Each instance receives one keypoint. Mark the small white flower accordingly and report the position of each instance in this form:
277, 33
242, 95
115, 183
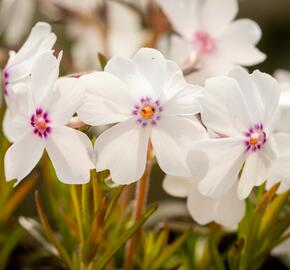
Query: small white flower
243, 110
210, 37
18, 67
41, 111
149, 97
16, 19
227, 210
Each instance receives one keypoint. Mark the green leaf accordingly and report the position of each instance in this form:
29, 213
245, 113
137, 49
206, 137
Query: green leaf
105, 258
170, 250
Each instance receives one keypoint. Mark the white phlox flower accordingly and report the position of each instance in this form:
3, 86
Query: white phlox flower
209, 38
227, 210
18, 67
149, 99
243, 109
41, 110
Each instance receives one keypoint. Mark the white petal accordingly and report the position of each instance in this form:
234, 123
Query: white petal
127, 72
238, 40
122, 149
44, 73
251, 95
270, 94
185, 102
255, 171
172, 138
39, 40
14, 126
182, 14
71, 154
23, 156
152, 66
225, 157
232, 105
177, 186
218, 14
21, 100
227, 210
280, 167
108, 99
68, 97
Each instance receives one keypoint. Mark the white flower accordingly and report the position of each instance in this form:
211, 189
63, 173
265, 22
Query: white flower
210, 37
227, 210
149, 97
18, 67
243, 110
15, 19
283, 77
41, 111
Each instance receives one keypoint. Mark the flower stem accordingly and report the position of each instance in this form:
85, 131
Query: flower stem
76, 205
141, 195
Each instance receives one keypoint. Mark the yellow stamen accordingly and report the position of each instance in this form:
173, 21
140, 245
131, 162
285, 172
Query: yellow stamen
147, 112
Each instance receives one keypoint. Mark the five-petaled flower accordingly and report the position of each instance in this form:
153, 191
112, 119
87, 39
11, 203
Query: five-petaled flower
150, 98
41, 109
243, 111
209, 38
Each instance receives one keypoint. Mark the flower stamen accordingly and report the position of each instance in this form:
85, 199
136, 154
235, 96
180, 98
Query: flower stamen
40, 123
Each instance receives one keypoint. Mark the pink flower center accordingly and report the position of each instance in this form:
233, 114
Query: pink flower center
40, 123
255, 138
204, 42
147, 111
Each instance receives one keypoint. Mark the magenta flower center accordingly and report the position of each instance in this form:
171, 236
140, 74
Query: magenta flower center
147, 111
255, 138
40, 123
5, 78
204, 42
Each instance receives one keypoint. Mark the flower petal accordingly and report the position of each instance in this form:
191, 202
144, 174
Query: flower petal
227, 210
23, 156
231, 106
127, 72
68, 97
108, 99
152, 66
44, 73
39, 40
70, 152
225, 157
270, 95
280, 167
122, 149
177, 186
185, 102
218, 14
182, 15
14, 126
256, 170
238, 40
172, 138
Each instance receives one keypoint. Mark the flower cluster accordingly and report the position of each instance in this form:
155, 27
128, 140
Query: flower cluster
214, 142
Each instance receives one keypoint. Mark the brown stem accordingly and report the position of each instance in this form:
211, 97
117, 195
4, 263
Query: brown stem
140, 203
